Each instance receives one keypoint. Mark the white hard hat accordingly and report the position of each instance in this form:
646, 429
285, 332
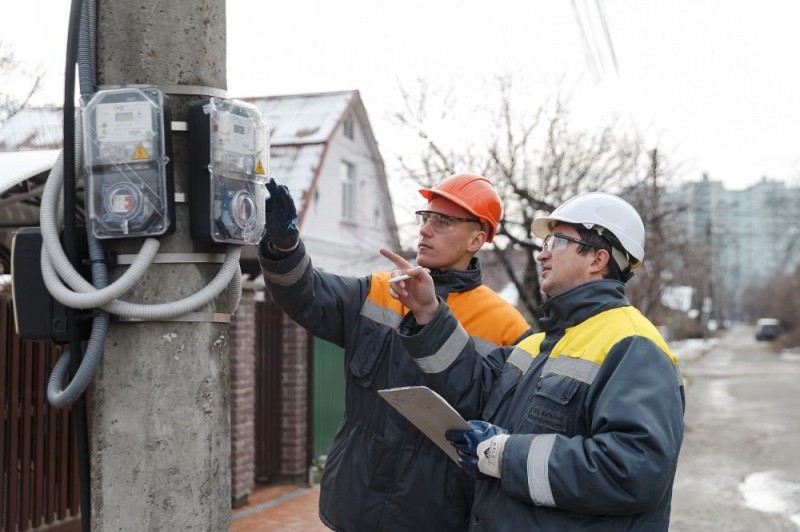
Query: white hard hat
602, 212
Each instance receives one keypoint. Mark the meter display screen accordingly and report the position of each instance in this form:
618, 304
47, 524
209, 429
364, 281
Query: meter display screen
125, 132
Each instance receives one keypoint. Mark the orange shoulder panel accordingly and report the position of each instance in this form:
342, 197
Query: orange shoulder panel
486, 315
379, 293
481, 311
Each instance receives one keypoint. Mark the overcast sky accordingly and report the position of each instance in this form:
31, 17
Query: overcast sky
715, 82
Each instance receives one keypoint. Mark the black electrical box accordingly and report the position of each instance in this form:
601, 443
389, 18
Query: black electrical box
37, 315
229, 164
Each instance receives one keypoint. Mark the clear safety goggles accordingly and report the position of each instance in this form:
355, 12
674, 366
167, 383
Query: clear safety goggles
558, 241
441, 223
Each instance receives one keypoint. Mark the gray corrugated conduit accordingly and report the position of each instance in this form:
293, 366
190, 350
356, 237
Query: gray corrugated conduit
56, 266
101, 296
83, 295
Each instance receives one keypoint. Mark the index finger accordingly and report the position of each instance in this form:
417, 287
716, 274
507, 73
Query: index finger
272, 186
400, 262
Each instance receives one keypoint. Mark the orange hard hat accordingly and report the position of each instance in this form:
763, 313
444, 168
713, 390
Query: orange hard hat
474, 193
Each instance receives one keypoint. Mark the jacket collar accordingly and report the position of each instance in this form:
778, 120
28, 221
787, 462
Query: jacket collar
448, 281
582, 302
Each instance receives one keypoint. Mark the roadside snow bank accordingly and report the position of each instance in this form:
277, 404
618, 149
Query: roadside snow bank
686, 350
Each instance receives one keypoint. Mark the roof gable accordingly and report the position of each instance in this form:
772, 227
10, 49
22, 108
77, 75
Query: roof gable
301, 127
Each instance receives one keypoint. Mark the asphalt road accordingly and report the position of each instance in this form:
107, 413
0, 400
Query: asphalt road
739, 468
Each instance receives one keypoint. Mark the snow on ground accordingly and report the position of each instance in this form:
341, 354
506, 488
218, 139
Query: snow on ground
686, 350
767, 492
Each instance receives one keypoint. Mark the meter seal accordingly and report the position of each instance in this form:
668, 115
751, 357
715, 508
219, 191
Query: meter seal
230, 163
127, 151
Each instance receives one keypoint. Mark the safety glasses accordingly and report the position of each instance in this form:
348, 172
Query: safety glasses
558, 241
441, 223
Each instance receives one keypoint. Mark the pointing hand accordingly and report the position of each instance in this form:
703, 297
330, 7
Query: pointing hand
417, 292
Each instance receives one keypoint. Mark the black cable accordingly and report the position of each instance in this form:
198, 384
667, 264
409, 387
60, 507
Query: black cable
71, 249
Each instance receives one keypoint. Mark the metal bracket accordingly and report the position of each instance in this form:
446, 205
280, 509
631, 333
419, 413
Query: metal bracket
175, 258
194, 90
205, 317
191, 90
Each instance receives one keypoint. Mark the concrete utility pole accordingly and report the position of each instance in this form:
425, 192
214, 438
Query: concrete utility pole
160, 422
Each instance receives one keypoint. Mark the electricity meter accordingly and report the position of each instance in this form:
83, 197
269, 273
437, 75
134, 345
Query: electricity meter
128, 163
229, 164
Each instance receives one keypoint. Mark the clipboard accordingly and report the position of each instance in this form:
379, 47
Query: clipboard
429, 412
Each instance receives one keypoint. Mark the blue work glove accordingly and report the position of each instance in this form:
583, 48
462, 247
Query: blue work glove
466, 443
282, 233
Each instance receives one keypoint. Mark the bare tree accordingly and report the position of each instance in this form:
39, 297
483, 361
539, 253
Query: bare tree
12, 75
670, 256
537, 160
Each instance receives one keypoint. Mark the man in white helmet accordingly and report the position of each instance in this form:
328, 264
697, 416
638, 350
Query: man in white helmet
582, 426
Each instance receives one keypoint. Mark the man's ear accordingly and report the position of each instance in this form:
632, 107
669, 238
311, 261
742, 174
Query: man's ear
477, 241
600, 262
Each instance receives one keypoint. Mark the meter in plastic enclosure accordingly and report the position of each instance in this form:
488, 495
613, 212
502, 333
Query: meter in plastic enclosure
230, 160
128, 168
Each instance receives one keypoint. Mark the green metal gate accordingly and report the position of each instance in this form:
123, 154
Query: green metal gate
328, 393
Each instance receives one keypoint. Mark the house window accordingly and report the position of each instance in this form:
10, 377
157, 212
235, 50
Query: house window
348, 172
349, 127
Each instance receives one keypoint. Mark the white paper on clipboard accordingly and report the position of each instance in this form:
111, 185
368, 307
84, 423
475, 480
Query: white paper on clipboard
429, 412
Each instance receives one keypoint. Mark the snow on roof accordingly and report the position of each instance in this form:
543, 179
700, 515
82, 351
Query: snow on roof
32, 129
17, 166
303, 118
295, 166
300, 125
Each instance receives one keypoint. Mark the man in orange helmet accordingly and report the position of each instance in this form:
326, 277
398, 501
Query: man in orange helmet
381, 472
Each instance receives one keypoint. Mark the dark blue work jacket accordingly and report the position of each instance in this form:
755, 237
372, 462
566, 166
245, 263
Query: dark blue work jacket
381, 472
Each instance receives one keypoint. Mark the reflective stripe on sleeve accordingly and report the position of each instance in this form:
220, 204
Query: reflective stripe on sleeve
520, 359
290, 277
484, 347
577, 368
380, 314
538, 477
441, 359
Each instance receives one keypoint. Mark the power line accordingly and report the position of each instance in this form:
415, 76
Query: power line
587, 50
594, 51
602, 15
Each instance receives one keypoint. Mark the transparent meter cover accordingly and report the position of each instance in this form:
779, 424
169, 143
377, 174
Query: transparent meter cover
239, 165
126, 160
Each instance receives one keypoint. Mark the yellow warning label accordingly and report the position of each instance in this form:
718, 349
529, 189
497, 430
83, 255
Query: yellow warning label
260, 168
140, 153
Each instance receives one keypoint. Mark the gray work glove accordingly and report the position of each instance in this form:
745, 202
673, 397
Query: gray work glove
281, 232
